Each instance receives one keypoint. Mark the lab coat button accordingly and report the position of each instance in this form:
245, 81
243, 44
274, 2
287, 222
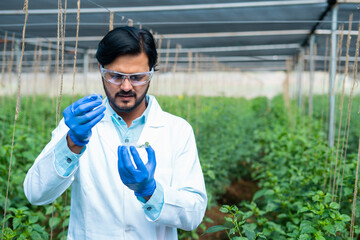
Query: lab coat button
148, 208
127, 140
129, 228
68, 160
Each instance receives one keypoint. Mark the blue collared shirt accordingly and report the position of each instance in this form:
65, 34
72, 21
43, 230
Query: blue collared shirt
66, 161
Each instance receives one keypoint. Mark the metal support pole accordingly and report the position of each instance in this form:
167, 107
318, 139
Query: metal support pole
300, 67
311, 67
332, 77
86, 70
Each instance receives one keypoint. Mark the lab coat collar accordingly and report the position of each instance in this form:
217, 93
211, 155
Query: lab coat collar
155, 117
107, 131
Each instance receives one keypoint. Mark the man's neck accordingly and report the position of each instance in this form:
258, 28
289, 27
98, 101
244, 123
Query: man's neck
129, 117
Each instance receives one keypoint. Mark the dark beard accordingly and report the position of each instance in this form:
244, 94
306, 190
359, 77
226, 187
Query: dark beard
116, 108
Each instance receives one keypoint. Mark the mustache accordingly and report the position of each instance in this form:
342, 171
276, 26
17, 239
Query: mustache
125, 94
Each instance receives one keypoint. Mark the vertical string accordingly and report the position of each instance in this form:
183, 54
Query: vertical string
130, 22
323, 83
347, 126
63, 29
48, 71
167, 56
25, 9
323, 108
197, 104
11, 61
175, 76
176, 57
36, 65
332, 165
190, 60
76, 46
57, 60
4, 61
341, 108
355, 196
111, 21
63, 24
57, 100
159, 43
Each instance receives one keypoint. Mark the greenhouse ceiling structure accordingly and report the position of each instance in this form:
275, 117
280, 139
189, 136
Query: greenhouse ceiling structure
243, 35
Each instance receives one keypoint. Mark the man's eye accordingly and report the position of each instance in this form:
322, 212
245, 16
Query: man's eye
137, 77
114, 75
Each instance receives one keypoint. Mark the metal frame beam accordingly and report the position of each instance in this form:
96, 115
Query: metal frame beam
348, 1
168, 8
330, 32
227, 49
190, 35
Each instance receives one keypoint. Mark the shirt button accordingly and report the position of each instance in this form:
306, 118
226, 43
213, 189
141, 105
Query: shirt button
148, 208
68, 160
127, 140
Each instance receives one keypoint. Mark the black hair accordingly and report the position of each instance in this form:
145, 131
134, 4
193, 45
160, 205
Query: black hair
126, 41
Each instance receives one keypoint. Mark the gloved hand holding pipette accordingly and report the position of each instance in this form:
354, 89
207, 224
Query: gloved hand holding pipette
81, 116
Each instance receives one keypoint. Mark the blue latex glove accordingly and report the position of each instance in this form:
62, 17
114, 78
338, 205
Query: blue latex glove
140, 179
81, 116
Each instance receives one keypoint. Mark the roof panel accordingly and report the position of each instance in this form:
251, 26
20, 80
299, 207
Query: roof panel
267, 24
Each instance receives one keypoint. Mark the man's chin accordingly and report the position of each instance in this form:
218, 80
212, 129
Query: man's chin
125, 108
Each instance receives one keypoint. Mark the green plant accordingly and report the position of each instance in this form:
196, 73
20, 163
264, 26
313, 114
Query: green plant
23, 224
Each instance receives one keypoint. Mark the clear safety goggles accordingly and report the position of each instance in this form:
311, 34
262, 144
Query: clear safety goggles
136, 79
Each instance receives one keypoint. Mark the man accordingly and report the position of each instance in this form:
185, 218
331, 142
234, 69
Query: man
119, 190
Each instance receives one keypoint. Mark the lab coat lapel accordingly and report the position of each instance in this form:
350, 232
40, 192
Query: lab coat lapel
155, 120
108, 133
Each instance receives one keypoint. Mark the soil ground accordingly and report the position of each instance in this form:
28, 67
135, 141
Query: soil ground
241, 190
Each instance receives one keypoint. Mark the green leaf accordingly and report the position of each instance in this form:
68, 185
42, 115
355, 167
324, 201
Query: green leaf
305, 237
16, 222
345, 217
38, 228
224, 209
334, 205
303, 209
259, 194
54, 222
319, 236
228, 219
35, 235
33, 219
216, 228
330, 229
211, 174
250, 234
49, 210
247, 215
8, 233
308, 229
22, 237
340, 226
270, 207
269, 192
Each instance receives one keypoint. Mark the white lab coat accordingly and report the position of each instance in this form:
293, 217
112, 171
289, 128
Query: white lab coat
102, 207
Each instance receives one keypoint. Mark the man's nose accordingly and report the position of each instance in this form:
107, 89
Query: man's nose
126, 85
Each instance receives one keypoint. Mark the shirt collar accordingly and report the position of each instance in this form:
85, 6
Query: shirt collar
141, 120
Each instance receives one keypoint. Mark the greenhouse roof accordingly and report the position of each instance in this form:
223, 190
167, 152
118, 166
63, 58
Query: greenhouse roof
246, 35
